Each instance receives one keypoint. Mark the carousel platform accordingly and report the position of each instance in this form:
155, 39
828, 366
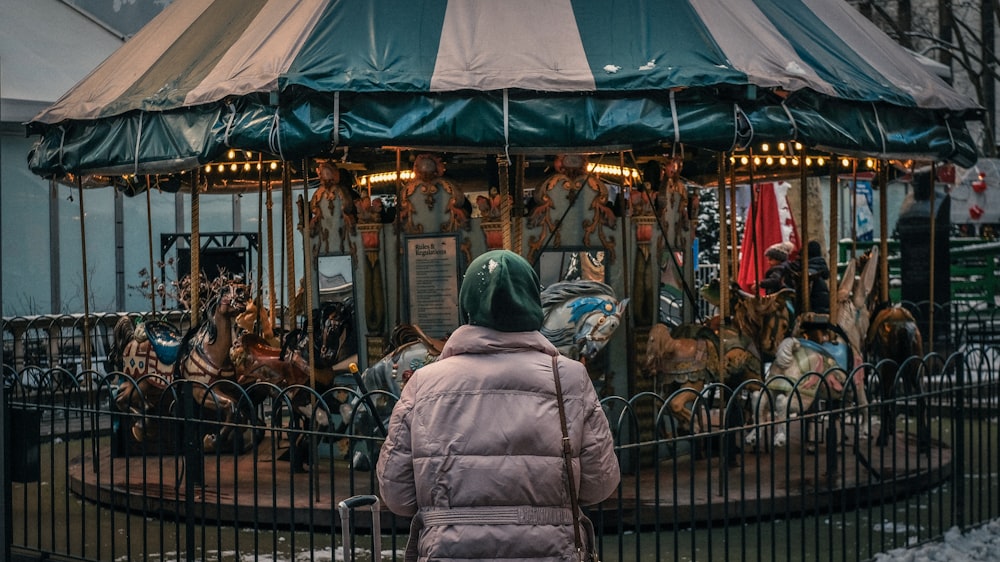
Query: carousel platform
259, 488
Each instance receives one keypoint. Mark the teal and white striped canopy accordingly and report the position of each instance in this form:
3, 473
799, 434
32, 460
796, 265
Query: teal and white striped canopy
296, 77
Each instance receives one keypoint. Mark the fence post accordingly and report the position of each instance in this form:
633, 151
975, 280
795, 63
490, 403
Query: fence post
194, 469
6, 489
958, 475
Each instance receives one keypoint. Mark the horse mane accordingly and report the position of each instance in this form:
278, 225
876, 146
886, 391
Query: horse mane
784, 356
562, 291
122, 334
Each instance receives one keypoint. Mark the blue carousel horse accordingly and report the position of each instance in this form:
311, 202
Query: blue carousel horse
579, 319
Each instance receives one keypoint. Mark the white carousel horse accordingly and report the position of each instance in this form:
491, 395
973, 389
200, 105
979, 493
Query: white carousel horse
827, 357
802, 371
887, 335
579, 319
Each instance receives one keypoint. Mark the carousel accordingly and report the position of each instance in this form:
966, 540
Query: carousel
401, 148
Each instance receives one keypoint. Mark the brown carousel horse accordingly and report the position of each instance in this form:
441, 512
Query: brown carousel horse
765, 319
154, 356
334, 346
689, 359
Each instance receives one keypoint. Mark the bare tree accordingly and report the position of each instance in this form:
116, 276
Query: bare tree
958, 33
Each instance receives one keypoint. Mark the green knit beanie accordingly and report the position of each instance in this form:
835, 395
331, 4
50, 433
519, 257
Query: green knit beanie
501, 291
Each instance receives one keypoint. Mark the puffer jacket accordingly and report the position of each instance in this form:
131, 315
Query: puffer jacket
474, 453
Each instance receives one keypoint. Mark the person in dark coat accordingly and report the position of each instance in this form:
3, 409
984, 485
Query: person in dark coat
819, 273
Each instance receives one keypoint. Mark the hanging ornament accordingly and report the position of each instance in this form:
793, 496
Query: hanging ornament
979, 185
976, 212
946, 173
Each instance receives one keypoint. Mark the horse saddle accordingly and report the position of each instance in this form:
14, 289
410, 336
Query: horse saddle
258, 348
838, 351
165, 340
434, 345
691, 368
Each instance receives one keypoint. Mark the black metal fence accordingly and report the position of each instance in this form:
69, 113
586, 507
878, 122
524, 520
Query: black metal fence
185, 479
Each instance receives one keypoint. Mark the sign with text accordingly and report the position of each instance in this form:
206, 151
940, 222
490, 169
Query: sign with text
432, 275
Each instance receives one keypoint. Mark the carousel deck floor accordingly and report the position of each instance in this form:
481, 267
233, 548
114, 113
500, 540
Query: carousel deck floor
259, 489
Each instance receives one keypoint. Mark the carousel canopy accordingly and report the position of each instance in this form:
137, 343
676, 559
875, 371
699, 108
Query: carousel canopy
295, 78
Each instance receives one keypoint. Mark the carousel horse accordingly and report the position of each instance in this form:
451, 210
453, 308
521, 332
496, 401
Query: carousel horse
767, 319
886, 333
689, 358
893, 337
155, 355
854, 297
334, 349
817, 361
334, 344
579, 319
802, 371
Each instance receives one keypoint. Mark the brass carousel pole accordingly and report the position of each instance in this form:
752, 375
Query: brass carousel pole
854, 209
883, 218
754, 211
286, 203
626, 185
734, 240
91, 399
503, 170
307, 267
86, 284
724, 262
834, 250
517, 237
804, 281
272, 298
149, 238
399, 235
195, 250
260, 236
930, 307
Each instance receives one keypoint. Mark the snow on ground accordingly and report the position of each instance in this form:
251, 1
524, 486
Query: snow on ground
979, 544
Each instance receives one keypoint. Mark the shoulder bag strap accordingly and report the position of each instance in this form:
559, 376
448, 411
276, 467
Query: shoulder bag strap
567, 449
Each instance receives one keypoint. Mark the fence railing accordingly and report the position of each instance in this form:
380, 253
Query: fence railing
179, 478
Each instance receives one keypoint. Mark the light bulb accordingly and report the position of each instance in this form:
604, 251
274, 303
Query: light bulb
821, 161
769, 160
221, 167
744, 160
232, 154
765, 147
845, 162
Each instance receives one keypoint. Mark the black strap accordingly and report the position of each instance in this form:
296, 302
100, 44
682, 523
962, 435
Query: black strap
567, 449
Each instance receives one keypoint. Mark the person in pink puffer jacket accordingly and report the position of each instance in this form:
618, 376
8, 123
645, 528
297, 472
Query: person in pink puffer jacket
474, 445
